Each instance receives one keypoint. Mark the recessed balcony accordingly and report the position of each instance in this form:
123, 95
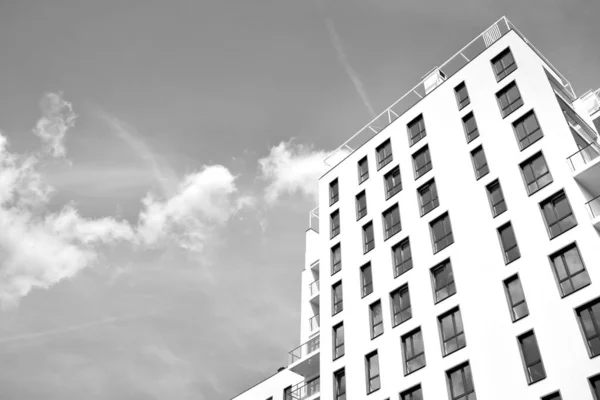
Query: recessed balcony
304, 359
310, 390
314, 323
585, 165
593, 207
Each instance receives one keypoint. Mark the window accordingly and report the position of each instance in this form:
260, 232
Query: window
532, 360
393, 183
415, 393
391, 221
460, 383
589, 322
372, 367
401, 257
441, 232
366, 279
509, 99
569, 270
535, 173
361, 205
509, 244
414, 351
368, 238
334, 192
552, 396
479, 162
339, 387
470, 127
338, 340
504, 64
595, 385
336, 258
528, 130
451, 331
401, 310
428, 198
287, 393
422, 162
376, 319
338, 302
462, 96
416, 130
516, 298
363, 170
557, 214
496, 198
443, 281
335, 223
384, 154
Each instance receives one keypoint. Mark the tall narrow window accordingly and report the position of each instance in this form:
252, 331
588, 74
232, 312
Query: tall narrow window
368, 238
338, 340
441, 232
361, 205
401, 310
508, 241
334, 192
451, 331
479, 162
532, 360
504, 63
376, 318
339, 387
509, 99
366, 279
402, 257
516, 298
393, 183
569, 270
372, 367
287, 393
428, 198
416, 130
552, 396
535, 173
443, 281
557, 214
496, 198
422, 162
363, 170
414, 351
595, 385
336, 258
470, 127
384, 154
335, 223
414, 393
337, 298
528, 130
462, 96
460, 383
589, 321
391, 221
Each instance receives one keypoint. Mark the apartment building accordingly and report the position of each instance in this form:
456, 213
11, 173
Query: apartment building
454, 253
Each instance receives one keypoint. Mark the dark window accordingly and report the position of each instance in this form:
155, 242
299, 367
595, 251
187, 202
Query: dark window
504, 64
508, 241
528, 130
384, 154
558, 214
595, 385
479, 162
443, 281
393, 183
470, 126
337, 298
402, 257
516, 298
361, 205
421, 162
569, 270
552, 396
401, 310
535, 173
462, 96
414, 393
335, 223
287, 393
366, 279
338, 340
509, 99
391, 221
414, 351
270, 398
451, 331
334, 192
368, 238
441, 232
336, 258
416, 130
589, 321
496, 198
372, 367
339, 389
376, 317
428, 198
363, 170
532, 360
460, 383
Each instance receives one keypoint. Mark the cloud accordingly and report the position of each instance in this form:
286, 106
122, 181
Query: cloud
58, 118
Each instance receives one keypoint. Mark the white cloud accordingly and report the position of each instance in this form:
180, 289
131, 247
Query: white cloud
58, 118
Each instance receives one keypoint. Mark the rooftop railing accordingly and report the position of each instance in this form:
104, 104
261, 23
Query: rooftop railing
314, 288
303, 391
584, 156
593, 207
304, 349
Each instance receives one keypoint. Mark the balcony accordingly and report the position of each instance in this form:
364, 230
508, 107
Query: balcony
313, 323
304, 359
593, 207
314, 290
307, 391
585, 165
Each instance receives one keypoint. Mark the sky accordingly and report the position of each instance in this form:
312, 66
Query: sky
158, 161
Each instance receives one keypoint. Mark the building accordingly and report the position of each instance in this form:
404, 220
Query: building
457, 241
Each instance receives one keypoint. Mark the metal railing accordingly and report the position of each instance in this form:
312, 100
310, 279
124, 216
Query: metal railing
314, 288
593, 207
584, 156
592, 100
314, 322
304, 349
303, 391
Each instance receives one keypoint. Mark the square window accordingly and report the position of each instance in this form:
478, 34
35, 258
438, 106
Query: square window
335, 223
337, 298
334, 192
372, 367
339, 387
422, 162
527, 129
470, 127
376, 318
402, 257
414, 351
443, 281
516, 298
460, 383
532, 359
428, 198
462, 96
361, 205
588, 316
415, 393
368, 238
509, 99
401, 310
535, 173
366, 279
451, 331
479, 162
441, 232
508, 241
416, 130
496, 198
391, 221
557, 214
503, 64
336, 258
384, 154
393, 183
338, 340
569, 270
363, 170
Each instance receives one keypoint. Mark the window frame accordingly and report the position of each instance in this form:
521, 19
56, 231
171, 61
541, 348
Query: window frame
335, 345
363, 176
364, 286
372, 323
402, 306
552, 396
337, 384
528, 162
551, 200
394, 229
421, 134
387, 159
435, 201
511, 108
592, 381
334, 198
366, 243
335, 231
511, 304
405, 359
459, 102
287, 395
333, 264
456, 335
464, 119
397, 188
337, 307
404, 395
526, 365
559, 281
460, 367
521, 120
504, 251
434, 242
370, 379
595, 323
361, 212
485, 167
395, 265
493, 205
499, 57
450, 286
428, 166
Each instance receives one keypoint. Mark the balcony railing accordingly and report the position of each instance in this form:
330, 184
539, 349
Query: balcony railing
304, 349
594, 207
314, 288
592, 100
584, 156
303, 391
314, 322
313, 219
